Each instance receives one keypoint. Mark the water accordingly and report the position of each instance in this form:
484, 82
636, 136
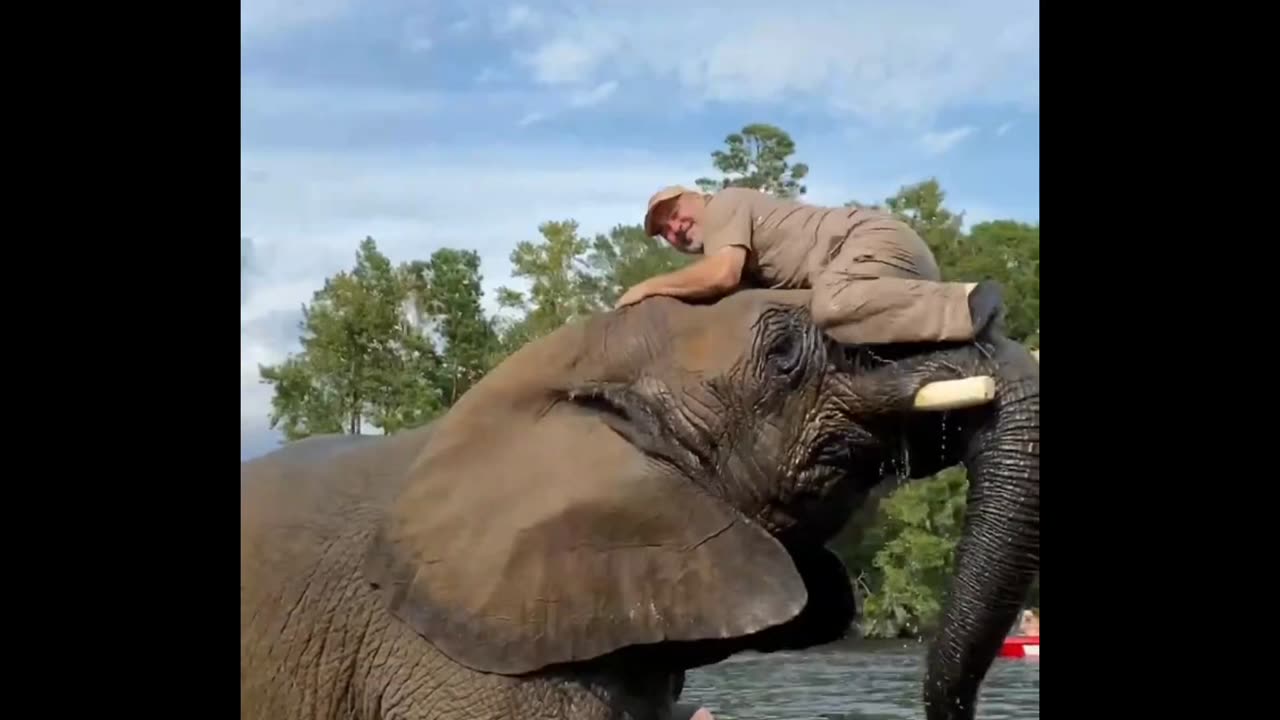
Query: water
858, 680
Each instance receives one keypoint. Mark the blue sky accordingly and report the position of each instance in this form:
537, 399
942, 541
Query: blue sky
465, 124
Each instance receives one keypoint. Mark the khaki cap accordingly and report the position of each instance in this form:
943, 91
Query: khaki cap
666, 193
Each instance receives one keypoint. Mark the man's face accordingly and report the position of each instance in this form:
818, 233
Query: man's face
679, 226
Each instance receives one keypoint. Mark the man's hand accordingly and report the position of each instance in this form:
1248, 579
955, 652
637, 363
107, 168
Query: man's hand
637, 293
711, 277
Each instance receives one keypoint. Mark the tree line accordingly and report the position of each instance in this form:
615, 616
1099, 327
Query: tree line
391, 346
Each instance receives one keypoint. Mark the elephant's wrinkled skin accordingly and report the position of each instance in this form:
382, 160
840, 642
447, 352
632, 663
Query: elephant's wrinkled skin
637, 494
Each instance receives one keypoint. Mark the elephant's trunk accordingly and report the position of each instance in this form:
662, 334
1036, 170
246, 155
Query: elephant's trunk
998, 554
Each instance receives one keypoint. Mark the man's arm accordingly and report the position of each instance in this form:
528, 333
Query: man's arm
712, 276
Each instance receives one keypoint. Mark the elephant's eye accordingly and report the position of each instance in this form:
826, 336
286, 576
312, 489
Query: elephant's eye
786, 352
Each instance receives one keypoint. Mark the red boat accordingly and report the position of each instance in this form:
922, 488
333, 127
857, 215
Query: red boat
1021, 646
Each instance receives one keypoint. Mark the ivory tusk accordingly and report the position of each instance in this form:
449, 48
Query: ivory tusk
952, 394
963, 393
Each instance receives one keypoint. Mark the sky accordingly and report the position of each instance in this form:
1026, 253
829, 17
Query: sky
430, 124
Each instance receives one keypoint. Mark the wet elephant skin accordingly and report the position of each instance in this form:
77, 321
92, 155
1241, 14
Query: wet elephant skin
639, 493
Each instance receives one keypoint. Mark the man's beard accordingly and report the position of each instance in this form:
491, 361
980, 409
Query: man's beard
690, 243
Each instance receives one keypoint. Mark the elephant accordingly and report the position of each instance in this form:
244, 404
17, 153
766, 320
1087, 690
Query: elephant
642, 492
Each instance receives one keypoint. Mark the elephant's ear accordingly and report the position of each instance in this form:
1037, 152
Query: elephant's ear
515, 548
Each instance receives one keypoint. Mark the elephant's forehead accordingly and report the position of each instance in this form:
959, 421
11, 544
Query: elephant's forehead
745, 307
710, 345
713, 337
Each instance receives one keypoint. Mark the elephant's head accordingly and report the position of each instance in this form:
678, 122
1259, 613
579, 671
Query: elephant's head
657, 483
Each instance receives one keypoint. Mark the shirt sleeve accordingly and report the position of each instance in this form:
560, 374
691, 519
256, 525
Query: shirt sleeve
731, 231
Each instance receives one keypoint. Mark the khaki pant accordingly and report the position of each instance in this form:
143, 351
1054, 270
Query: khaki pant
882, 285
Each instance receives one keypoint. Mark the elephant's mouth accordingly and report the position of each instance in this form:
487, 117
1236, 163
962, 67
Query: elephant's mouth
841, 450
834, 461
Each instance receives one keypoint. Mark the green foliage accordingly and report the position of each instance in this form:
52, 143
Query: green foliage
627, 256
1009, 252
304, 403
902, 554
756, 158
366, 361
448, 292
916, 532
570, 277
362, 360
561, 288
921, 206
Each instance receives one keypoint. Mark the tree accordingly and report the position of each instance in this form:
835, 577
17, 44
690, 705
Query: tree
1008, 252
624, 257
448, 292
917, 531
561, 286
363, 361
301, 406
756, 158
922, 207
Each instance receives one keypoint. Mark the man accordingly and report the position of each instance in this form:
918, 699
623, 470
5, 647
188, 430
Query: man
874, 279
1030, 623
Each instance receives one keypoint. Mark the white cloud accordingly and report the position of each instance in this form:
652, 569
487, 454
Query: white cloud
898, 62
419, 44
255, 396
516, 18
531, 118
1004, 128
595, 95
416, 33
939, 142
565, 61
248, 268
260, 18
263, 98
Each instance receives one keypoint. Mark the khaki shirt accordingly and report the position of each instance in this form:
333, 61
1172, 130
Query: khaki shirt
790, 242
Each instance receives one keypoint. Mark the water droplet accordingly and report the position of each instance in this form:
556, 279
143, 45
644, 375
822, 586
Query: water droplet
943, 434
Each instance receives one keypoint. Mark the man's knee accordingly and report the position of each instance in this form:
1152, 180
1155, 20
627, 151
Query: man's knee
834, 303
820, 312
816, 310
